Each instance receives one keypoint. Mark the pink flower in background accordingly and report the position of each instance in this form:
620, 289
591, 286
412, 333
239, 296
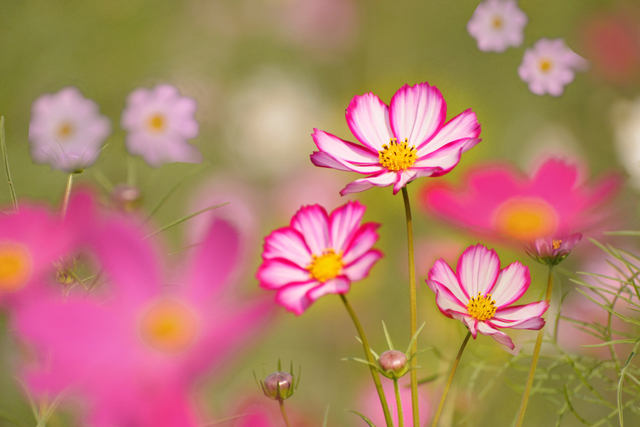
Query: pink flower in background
66, 130
370, 403
480, 295
402, 142
500, 201
159, 122
134, 359
497, 25
318, 254
549, 66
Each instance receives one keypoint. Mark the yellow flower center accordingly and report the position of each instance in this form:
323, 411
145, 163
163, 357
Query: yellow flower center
15, 266
326, 266
525, 218
497, 22
556, 243
482, 308
168, 326
65, 130
157, 123
545, 65
397, 157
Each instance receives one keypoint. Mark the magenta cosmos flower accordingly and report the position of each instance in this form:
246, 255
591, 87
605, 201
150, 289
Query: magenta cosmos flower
66, 130
159, 122
497, 25
549, 66
499, 200
479, 294
318, 254
133, 351
407, 140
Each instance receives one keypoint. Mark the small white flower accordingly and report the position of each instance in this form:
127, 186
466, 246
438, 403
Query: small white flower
66, 130
497, 25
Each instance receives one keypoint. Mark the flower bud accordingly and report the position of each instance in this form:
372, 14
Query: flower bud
278, 386
126, 196
552, 250
393, 362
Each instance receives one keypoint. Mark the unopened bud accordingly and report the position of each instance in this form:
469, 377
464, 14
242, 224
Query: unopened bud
393, 361
126, 196
278, 386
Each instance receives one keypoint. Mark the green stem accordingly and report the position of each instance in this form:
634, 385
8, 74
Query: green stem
5, 157
534, 359
372, 362
412, 309
284, 413
398, 403
450, 379
67, 193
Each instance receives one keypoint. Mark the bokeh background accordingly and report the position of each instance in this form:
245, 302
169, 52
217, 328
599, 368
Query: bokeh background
264, 74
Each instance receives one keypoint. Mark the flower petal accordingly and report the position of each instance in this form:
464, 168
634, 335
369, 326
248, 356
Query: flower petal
442, 273
362, 241
463, 126
485, 329
447, 303
348, 154
344, 223
276, 273
385, 179
324, 160
294, 297
417, 113
339, 285
368, 119
478, 269
289, 244
402, 178
512, 283
359, 269
313, 222
511, 317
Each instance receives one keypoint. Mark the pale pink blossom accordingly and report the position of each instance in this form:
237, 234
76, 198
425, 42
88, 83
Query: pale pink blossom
159, 122
407, 140
66, 130
552, 250
318, 254
480, 295
549, 66
497, 25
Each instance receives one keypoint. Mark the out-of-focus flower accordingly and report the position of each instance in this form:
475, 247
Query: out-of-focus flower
402, 142
552, 250
126, 197
134, 359
159, 122
318, 254
480, 295
497, 25
549, 66
66, 130
503, 202
369, 403
625, 116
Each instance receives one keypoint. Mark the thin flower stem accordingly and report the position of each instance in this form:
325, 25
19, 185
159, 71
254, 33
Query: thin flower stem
367, 352
412, 309
399, 403
534, 359
284, 413
5, 157
67, 193
450, 379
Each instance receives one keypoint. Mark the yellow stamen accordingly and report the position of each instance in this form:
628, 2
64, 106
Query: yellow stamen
525, 219
168, 326
397, 157
157, 123
545, 65
15, 266
556, 243
497, 22
482, 308
65, 130
326, 266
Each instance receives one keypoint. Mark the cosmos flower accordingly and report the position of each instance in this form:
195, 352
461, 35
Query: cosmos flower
552, 250
159, 122
549, 66
134, 356
66, 130
497, 25
502, 202
318, 254
407, 140
480, 295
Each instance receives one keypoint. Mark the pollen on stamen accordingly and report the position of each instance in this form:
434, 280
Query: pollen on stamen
326, 266
556, 243
482, 308
397, 156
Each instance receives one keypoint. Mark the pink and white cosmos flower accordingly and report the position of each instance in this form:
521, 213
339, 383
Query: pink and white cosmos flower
318, 254
480, 294
497, 25
66, 130
549, 66
407, 140
159, 122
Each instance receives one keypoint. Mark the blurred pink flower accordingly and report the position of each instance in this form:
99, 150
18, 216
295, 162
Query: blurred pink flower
504, 202
66, 130
497, 25
370, 403
159, 122
402, 142
549, 66
135, 357
479, 294
318, 254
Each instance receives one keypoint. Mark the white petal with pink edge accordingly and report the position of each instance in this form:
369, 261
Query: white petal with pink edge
339, 285
478, 269
520, 312
417, 113
348, 154
289, 244
385, 179
368, 119
512, 283
344, 223
501, 337
442, 273
447, 302
362, 241
294, 297
534, 323
402, 178
324, 160
464, 126
313, 222
359, 269
275, 273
